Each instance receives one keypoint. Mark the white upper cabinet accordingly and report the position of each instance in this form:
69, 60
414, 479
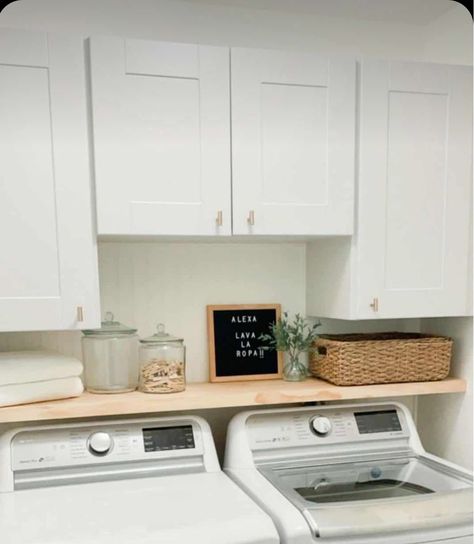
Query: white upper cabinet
161, 137
293, 139
411, 254
415, 172
48, 259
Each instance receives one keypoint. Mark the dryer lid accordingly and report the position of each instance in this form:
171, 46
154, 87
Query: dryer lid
203, 508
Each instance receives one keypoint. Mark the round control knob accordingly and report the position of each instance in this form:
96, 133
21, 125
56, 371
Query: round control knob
320, 425
100, 443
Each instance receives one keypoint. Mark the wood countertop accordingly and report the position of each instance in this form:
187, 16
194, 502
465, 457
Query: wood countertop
219, 395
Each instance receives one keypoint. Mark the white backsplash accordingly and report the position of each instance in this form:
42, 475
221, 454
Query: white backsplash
147, 283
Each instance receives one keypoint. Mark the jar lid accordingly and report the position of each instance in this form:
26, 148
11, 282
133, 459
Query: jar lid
160, 337
109, 326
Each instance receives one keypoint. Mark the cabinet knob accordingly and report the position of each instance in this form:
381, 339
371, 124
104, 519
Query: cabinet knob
251, 218
375, 304
219, 218
80, 313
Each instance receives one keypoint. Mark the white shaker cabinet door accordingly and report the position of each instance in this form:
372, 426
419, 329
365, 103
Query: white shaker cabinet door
48, 257
293, 139
161, 137
413, 246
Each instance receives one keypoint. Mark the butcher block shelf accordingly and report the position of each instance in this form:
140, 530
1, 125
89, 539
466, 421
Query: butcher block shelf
219, 395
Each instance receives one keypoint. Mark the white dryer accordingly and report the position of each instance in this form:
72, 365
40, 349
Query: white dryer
352, 474
154, 481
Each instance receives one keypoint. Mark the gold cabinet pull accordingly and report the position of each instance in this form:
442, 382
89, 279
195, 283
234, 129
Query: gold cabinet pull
251, 218
219, 218
375, 304
80, 314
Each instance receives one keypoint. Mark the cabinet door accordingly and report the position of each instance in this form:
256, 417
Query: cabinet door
414, 189
293, 137
48, 260
161, 137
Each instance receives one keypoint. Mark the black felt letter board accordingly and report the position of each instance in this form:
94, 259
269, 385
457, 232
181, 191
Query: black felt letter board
235, 350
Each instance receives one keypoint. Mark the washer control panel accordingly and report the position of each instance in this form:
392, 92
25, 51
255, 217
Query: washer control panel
326, 425
105, 443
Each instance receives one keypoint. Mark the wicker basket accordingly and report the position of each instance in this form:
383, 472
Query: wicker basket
390, 357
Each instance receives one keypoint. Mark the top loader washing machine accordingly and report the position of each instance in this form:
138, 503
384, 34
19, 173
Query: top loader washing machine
348, 474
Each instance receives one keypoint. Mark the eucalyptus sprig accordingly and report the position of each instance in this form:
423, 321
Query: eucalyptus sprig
293, 337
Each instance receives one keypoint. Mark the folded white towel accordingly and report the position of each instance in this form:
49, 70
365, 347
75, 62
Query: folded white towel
35, 366
25, 393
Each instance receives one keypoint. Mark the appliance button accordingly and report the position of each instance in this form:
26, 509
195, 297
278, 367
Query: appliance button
320, 425
99, 443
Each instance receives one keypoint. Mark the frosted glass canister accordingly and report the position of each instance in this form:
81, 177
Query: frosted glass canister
110, 357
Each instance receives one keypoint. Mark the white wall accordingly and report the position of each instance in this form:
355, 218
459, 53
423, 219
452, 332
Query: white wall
445, 421
147, 283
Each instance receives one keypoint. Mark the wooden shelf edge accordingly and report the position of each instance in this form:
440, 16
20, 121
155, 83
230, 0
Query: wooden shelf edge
200, 396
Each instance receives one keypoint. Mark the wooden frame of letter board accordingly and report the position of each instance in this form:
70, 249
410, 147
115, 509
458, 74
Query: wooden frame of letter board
212, 354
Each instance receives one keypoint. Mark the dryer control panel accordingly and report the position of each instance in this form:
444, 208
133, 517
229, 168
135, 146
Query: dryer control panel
108, 442
325, 425
95, 451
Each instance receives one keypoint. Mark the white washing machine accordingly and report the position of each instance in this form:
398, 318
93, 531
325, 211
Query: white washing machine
154, 481
352, 474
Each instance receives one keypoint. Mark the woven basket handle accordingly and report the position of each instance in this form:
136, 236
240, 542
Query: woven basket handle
320, 349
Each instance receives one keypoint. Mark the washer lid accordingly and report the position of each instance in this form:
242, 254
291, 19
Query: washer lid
376, 496
441, 510
203, 508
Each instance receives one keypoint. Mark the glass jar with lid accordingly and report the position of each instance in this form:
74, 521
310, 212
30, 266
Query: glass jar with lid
162, 363
110, 357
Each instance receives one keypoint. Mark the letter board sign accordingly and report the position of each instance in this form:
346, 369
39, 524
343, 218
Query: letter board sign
235, 351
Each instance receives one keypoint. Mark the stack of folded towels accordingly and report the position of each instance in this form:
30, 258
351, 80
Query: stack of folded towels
33, 376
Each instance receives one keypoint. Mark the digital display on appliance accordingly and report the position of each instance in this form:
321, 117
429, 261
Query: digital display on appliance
168, 438
377, 422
